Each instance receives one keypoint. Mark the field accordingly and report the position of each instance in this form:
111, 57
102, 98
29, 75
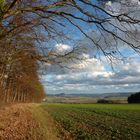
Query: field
70, 100
70, 122
96, 121
82, 100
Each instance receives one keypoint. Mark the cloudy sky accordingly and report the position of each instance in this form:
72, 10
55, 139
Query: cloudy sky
94, 75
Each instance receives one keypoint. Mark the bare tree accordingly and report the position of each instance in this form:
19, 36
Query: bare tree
53, 16
26, 24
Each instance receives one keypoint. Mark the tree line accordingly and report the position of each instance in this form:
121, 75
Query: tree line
19, 81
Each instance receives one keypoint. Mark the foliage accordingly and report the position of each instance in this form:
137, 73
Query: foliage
104, 101
134, 98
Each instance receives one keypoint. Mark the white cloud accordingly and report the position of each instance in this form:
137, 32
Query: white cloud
131, 7
113, 7
62, 48
109, 3
136, 1
89, 65
93, 77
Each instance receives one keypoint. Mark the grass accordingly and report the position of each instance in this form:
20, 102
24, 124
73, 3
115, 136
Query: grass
97, 121
47, 128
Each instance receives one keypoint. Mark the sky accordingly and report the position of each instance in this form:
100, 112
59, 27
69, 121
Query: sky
94, 75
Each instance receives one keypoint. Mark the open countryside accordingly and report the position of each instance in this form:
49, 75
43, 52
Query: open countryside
97, 121
69, 69
70, 121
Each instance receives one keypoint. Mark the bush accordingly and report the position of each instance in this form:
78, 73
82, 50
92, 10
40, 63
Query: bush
134, 98
104, 101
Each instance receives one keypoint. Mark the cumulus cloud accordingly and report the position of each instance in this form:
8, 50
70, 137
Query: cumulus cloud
93, 76
113, 7
62, 49
123, 6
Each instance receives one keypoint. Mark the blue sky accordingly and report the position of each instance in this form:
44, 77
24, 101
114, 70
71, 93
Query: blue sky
92, 75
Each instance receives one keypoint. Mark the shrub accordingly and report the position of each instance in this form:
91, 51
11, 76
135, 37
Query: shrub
104, 101
134, 98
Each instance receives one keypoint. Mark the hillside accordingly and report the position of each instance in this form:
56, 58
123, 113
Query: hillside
87, 98
103, 95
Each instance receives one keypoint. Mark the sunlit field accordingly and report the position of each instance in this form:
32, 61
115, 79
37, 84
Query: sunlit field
96, 121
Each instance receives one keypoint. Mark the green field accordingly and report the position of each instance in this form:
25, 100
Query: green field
96, 121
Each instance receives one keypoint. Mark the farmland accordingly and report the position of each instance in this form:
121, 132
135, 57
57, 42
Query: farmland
96, 121
70, 122
82, 100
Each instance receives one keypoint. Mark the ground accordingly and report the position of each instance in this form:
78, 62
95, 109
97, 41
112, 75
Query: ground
25, 122
70, 121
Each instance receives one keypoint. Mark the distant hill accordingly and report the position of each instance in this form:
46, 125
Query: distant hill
104, 95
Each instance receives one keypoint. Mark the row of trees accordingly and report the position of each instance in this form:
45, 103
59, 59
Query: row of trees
26, 24
19, 80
